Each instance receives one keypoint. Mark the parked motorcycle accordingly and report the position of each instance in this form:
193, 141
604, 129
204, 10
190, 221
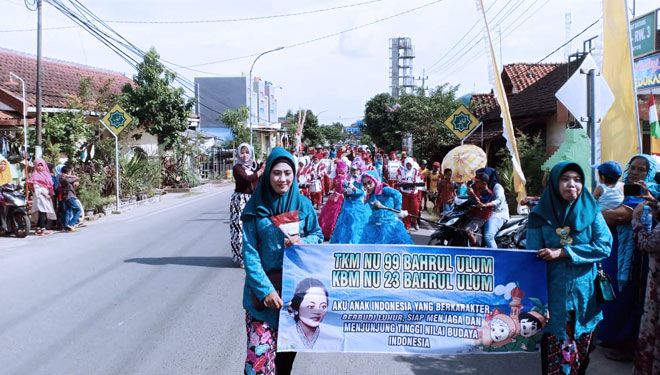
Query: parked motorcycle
14, 215
451, 232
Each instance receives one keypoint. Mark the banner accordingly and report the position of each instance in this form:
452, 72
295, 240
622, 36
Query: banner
508, 133
620, 133
411, 299
647, 72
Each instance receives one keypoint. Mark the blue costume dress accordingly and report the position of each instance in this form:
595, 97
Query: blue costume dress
352, 217
384, 227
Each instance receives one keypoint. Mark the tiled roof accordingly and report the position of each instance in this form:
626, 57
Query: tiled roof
536, 101
8, 115
60, 79
483, 103
518, 77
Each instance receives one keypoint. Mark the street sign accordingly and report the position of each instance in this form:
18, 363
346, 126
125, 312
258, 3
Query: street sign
642, 34
573, 94
117, 119
462, 122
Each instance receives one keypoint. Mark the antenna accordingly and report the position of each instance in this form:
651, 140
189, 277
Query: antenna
567, 24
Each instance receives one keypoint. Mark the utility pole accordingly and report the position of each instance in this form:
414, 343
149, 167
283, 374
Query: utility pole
37, 148
423, 78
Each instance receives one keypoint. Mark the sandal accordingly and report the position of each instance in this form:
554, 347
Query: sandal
38, 232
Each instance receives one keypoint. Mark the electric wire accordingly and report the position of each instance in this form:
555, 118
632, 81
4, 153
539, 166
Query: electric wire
324, 36
256, 18
108, 39
465, 34
226, 20
455, 66
476, 39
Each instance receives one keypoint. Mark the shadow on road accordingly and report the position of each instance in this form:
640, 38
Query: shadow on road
224, 220
217, 262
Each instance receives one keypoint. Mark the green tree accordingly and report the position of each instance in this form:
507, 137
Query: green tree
422, 114
233, 118
312, 133
333, 133
157, 108
70, 131
240, 133
531, 150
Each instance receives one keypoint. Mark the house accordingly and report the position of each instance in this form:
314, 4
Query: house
60, 83
535, 110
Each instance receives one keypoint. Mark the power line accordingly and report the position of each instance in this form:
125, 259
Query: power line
457, 66
322, 37
459, 54
109, 40
465, 34
570, 40
225, 20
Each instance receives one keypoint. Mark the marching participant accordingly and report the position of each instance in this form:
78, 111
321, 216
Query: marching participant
325, 161
383, 226
316, 176
303, 177
393, 165
408, 178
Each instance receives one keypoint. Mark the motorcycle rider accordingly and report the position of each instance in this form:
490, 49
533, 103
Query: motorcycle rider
500, 209
480, 213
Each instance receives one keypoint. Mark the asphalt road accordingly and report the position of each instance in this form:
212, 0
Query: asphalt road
154, 291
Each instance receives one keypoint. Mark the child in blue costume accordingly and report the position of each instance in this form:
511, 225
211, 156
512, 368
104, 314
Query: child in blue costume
384, 226
263, 251
354, 212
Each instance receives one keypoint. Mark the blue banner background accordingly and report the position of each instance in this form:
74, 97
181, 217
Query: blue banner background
514, 272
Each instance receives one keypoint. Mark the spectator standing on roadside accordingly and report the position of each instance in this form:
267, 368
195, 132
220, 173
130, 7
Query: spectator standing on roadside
41, 182
68, 184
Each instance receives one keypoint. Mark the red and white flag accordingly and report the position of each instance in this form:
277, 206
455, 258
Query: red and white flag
288, 222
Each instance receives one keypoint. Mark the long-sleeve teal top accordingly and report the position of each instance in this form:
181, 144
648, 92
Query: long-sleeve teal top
263, 251
390, 198
571, 279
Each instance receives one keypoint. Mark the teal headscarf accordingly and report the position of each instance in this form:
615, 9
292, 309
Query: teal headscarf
554, 210
265, 202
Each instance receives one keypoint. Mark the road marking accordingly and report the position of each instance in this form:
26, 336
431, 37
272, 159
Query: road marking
177, 205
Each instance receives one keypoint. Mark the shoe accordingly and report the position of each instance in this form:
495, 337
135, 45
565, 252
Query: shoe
416, 226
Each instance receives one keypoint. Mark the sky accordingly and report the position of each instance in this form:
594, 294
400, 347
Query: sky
334, 60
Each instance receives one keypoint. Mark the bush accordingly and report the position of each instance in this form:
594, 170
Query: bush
532, 156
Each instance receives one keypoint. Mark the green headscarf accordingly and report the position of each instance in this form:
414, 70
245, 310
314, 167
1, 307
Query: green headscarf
554, 210
265, 202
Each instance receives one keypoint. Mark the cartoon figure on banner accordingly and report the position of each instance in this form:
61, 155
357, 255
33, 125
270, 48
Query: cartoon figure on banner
308, 308
516, 331
532, 323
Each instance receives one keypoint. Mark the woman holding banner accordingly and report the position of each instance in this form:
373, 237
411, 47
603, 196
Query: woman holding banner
384, 225
569, 232
276, 216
